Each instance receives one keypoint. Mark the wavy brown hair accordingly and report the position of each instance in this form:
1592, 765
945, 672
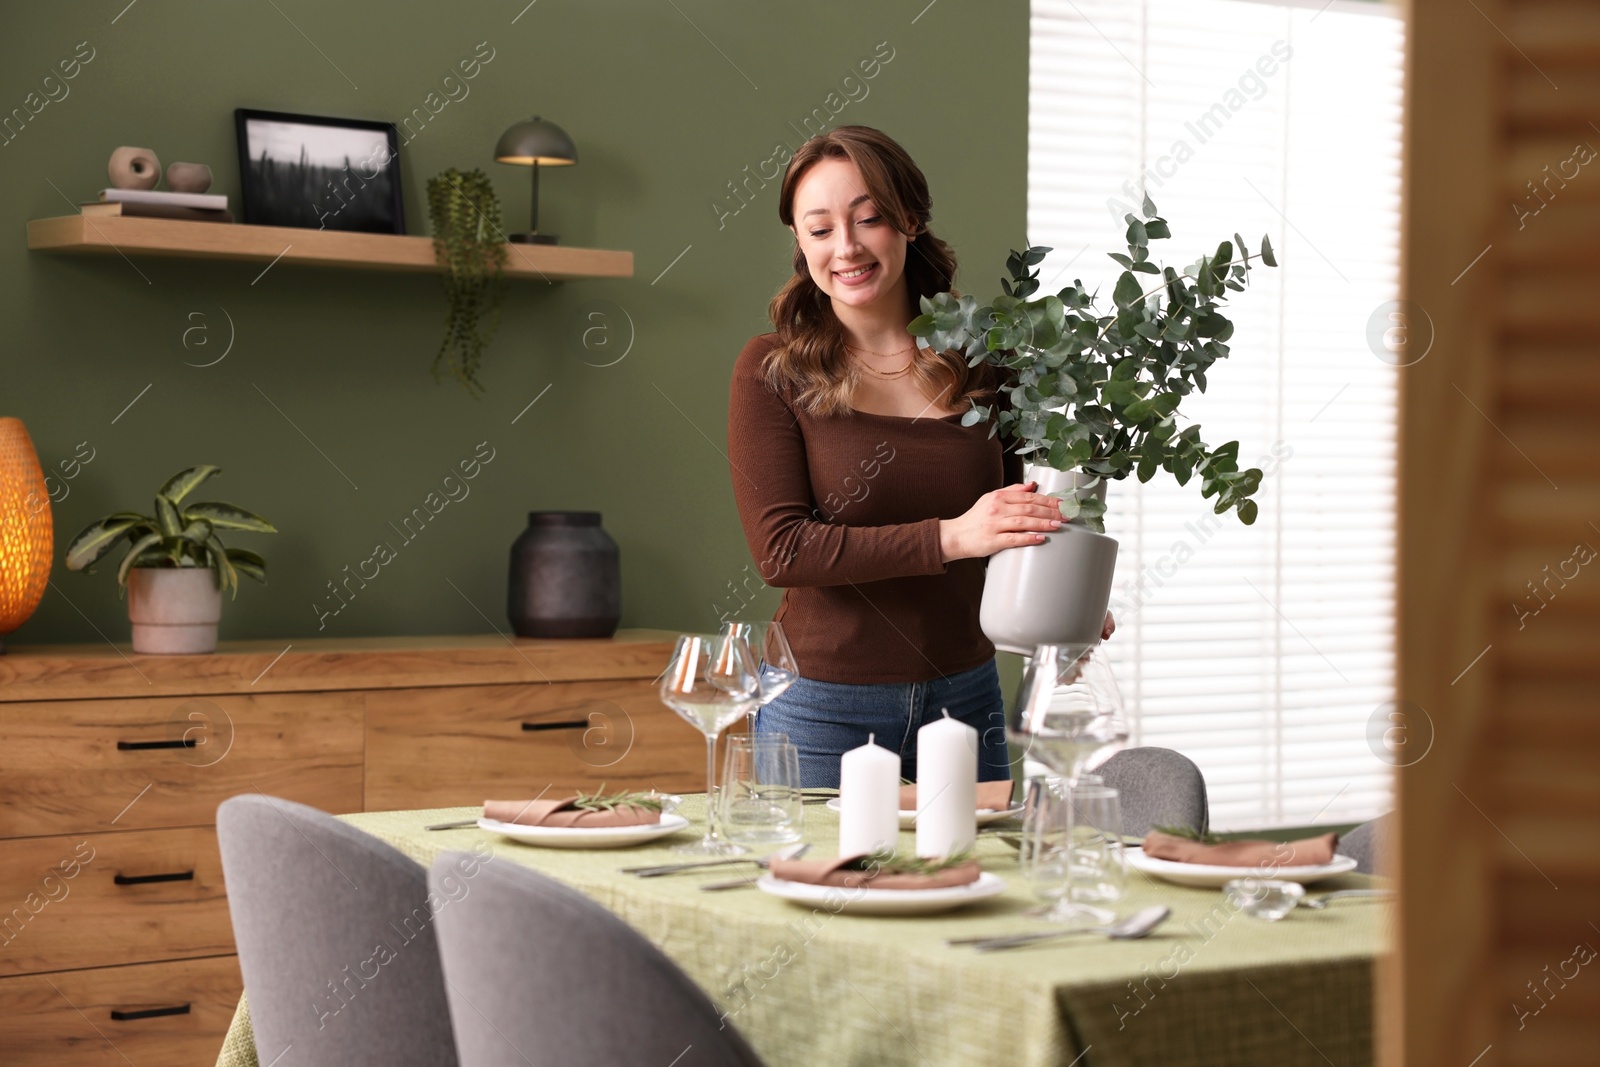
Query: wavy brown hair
809, 358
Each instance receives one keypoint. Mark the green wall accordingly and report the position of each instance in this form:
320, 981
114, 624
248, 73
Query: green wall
662, 122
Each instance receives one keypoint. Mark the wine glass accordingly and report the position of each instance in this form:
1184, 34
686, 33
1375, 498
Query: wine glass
769, 649
711, 683
1068, 716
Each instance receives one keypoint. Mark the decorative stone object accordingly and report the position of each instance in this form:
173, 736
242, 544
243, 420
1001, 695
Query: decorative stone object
134, 168
188, 177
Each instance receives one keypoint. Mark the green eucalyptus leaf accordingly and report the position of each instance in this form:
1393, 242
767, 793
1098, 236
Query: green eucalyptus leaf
1127, 294
1266, 252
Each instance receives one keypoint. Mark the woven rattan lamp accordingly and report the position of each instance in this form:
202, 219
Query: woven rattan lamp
26, 530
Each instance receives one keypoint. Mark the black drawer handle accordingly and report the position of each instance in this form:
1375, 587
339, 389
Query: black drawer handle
146, 879
148, 1013
578, 724
139, 746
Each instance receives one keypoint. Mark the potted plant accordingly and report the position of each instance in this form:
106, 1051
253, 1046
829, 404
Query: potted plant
1093, 397
176, 566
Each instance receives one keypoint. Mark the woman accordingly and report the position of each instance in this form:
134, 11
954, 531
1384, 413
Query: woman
859, 490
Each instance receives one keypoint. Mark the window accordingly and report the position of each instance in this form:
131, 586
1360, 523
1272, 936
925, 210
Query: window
1261, 652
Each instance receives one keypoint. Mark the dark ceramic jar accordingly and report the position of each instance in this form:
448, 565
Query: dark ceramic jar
566, 577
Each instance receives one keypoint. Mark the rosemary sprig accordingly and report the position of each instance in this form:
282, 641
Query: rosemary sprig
603, 801
1190, 833
896, 863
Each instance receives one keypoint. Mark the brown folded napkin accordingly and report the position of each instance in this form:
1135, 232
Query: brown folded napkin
995, 796
837, 872
1267, 855
559, 811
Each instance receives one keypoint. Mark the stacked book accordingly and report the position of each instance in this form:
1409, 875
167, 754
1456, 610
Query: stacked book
148, 203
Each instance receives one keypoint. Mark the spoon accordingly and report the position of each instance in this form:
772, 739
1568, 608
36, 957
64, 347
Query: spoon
1133, 927
787, 852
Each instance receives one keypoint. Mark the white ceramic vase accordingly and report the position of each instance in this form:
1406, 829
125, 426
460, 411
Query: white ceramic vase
1056, 592
174, 610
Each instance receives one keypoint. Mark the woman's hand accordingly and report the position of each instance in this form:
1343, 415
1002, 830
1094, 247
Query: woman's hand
1109, 628
1005, 518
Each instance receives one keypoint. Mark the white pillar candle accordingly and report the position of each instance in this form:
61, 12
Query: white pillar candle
947, 787
869, 799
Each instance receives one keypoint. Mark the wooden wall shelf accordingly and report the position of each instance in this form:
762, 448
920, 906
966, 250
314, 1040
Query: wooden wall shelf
326, 248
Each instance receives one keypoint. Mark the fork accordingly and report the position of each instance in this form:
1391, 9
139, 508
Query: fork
787, 852
741, 883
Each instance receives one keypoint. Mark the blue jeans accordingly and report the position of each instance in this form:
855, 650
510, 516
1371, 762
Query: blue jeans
827, 719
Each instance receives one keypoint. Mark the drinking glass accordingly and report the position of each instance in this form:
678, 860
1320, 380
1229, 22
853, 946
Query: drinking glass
1068, 716
711, 683
770, 651
1098, 874
760, 802
1044, 855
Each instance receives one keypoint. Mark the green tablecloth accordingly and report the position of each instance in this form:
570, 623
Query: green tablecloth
1209, 987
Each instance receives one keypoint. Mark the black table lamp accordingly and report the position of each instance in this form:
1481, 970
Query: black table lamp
535, 143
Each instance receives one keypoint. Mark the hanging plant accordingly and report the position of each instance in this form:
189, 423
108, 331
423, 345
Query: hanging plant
469, 243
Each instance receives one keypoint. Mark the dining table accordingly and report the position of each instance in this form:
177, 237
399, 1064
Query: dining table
809, 985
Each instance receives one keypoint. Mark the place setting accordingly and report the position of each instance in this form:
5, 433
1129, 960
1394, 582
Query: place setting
599, 820
909, 848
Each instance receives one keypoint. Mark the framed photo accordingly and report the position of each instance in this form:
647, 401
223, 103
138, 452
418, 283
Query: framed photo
319, 173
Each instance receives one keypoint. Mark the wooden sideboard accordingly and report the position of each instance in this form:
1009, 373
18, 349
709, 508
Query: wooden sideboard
115, 941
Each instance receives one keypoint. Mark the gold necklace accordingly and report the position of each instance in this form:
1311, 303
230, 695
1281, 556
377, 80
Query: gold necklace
886, 375
881, 355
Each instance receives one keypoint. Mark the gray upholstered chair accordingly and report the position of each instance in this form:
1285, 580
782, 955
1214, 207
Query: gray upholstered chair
538, 973
1365, 844
335, 940
1157, 786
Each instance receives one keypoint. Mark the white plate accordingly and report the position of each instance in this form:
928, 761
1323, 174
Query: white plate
585, 836
1207, 876
908, 819
883, 901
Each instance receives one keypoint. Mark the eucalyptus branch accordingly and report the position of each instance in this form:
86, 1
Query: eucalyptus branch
1099, 392
888, 862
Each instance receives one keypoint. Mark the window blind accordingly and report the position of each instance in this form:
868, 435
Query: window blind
1261, 652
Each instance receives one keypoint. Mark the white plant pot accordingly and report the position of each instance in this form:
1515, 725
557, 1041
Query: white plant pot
1055, 592
174, 610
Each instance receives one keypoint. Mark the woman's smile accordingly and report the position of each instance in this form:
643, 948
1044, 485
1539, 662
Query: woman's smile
856, 275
